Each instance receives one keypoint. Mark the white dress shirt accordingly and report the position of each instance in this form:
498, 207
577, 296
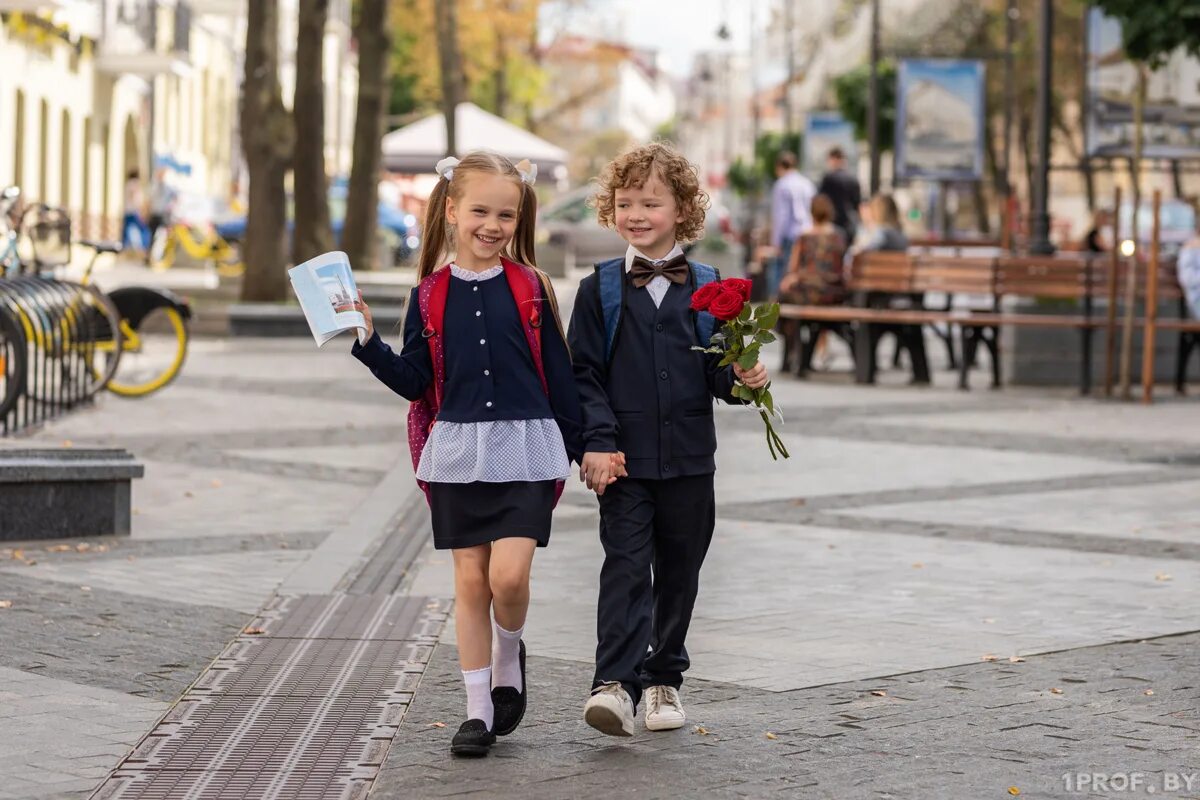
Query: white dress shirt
658, 285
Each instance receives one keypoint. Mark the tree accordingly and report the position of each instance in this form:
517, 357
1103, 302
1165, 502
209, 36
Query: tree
450, 68
267, 138
852, 92
362, 200
313, 234
1150, 33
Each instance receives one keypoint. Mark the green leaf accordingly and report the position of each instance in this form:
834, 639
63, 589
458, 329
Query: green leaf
729, 358
764, 337
771, 317
745, 315
742, 392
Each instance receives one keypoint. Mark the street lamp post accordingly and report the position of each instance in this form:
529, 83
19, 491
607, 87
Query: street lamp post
1040, 223
873, 99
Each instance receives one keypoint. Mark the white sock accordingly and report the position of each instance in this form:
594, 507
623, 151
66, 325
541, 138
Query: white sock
506, 657
479, 695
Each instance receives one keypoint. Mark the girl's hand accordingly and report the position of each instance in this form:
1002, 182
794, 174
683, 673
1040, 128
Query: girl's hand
617, 462
755, 377
366, 312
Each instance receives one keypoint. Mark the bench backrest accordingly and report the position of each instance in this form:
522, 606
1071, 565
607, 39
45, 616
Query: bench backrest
1034, 276
881, 272
954, 275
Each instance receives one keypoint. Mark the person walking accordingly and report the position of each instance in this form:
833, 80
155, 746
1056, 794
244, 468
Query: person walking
844, 191
791, 197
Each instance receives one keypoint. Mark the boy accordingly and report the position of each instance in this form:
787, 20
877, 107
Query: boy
645, 392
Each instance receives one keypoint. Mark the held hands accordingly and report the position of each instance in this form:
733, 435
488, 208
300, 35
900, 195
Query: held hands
756, 377
599, 470
366, 312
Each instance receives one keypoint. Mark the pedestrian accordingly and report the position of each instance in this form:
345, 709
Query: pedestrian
885, 233
1188, 270
1096, 239
844, 191
478, 359
133, 224
646, 393
162, 202
816, 275
790, 199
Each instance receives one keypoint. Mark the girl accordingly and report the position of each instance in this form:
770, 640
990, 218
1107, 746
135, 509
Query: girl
507, 417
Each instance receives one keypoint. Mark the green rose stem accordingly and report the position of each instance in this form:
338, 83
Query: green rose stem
754, 325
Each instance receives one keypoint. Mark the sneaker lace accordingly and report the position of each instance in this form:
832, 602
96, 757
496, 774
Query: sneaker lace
653, 699
671, 697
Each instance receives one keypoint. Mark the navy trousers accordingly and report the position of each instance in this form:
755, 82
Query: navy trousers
655, 535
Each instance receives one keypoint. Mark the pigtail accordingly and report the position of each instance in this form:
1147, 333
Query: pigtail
436, 239
521, 248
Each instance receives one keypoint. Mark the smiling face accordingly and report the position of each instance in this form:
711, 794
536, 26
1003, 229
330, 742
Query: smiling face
485, 219
646, 216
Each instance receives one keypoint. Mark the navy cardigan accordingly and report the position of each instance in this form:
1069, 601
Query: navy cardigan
490, 374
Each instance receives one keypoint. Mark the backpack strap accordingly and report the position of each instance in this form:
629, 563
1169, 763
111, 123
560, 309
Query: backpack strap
526, 287
610, 275
431, 295
706, 323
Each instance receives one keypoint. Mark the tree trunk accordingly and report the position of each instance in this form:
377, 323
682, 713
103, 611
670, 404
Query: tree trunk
267, 132
450, 62
362, 202
312, 234
1135, 167
500, 75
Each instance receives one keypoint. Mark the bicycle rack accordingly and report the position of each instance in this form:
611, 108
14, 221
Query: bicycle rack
50, 332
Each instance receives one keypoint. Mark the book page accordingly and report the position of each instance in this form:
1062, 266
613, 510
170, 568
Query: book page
328, 296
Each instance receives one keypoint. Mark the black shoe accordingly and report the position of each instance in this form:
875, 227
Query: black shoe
509, 703
473, 739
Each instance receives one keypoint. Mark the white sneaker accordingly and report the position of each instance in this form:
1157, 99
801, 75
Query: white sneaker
664, 712
610, 710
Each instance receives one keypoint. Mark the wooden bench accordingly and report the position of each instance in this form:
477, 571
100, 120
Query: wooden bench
995, 278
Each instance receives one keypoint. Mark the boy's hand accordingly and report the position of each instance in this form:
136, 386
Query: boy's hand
755, 377
598, 470
366, 312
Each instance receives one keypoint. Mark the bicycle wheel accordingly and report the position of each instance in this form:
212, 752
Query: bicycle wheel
99, 338
13, 354
152, 354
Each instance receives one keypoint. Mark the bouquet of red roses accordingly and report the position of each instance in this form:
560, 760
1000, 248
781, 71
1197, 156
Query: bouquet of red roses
739, 339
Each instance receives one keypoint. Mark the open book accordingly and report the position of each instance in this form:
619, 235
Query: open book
327, 294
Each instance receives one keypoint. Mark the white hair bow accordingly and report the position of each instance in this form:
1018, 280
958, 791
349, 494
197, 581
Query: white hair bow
527, 171
446, 166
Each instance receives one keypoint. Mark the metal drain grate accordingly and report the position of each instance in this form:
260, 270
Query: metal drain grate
369, 616
306, 709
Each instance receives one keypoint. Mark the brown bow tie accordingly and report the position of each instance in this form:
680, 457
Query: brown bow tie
643, 271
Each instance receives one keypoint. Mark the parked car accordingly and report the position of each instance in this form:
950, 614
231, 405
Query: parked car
399, 228
569, 236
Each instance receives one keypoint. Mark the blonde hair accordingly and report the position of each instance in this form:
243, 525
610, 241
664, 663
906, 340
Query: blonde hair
634, 167
435, 249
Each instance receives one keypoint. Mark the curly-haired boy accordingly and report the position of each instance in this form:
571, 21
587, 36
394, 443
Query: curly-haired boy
645, 392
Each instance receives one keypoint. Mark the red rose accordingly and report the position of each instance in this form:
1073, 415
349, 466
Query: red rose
727, 305
702, 298
739, 285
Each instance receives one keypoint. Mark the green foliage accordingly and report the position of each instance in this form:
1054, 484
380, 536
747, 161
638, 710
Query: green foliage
853, 95
1151, 31
748, 177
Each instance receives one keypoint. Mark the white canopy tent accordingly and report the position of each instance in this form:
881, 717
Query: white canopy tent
415, 148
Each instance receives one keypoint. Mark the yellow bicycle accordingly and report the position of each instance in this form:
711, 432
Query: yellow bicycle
201, 245
150, 342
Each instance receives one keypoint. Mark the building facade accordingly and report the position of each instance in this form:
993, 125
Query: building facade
92, 91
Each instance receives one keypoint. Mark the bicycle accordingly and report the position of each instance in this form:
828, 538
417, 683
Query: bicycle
151, 340
136, 337
212, 248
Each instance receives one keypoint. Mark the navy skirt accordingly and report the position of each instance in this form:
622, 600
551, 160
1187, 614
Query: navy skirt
470, 514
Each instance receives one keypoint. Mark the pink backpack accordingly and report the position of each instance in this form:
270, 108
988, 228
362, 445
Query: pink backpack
526, 287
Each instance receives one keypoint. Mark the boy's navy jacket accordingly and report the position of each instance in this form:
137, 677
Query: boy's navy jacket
653, 400
490, 374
